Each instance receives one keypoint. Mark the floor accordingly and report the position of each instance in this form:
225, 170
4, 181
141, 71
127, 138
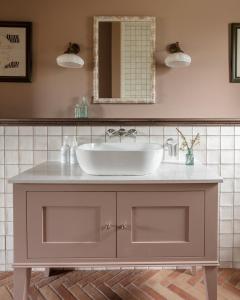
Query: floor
125, 284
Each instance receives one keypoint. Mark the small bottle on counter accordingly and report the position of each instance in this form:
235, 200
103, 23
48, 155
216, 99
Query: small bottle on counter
77, 111
65, 151
84, 108
73, 155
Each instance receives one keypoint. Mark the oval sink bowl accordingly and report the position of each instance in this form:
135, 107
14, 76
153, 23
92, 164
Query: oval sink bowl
119, 159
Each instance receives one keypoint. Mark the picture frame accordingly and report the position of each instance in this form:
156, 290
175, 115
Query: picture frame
15, 51
235, 53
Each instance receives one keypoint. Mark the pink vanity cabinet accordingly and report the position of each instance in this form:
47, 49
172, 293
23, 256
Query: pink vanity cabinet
72, 225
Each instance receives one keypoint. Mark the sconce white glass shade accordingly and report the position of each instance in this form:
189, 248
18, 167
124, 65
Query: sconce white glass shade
178, 60
70, 60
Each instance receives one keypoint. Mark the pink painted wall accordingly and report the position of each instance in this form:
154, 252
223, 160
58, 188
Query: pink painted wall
202, 90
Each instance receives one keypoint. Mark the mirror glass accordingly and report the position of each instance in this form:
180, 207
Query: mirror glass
124, 70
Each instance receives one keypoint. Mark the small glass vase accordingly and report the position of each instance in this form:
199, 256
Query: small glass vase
189, 158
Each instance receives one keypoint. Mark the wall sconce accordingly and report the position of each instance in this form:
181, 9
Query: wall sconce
177, 58
70, 59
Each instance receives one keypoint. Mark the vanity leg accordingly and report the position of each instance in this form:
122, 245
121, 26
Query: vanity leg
210, 278
21, 280
194, 270
47, 272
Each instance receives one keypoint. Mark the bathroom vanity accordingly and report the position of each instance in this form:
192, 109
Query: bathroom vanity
66, 218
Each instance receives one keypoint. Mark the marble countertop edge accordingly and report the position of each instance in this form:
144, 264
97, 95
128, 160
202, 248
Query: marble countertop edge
57, 173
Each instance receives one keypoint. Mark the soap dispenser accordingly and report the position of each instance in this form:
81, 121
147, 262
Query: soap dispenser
73, 155
65, 151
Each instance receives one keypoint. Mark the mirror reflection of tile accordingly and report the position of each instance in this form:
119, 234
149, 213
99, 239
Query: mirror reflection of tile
136, 60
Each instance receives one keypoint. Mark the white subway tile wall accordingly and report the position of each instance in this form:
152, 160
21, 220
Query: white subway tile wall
23, 147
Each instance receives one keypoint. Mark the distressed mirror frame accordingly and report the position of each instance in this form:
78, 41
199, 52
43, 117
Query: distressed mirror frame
96, 98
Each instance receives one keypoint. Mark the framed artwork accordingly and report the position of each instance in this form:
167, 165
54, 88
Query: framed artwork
15, 51
235, 53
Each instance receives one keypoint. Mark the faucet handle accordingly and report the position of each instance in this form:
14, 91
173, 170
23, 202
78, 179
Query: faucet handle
111, 132
132, 132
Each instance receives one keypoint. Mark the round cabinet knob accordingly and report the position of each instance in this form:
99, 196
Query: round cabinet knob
107, 226
122, 226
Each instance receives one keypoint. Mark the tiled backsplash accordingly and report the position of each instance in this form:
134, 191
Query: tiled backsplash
23, 147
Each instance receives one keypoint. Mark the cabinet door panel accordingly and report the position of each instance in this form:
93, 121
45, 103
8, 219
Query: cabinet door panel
71, 224
160, 224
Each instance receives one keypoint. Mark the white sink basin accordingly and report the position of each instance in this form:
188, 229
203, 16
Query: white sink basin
119, 159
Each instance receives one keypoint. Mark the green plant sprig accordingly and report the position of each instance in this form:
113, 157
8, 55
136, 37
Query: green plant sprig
193, 142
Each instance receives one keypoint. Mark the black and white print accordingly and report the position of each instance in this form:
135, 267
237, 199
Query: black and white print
14, 51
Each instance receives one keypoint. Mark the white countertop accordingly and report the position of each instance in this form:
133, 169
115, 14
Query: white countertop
57, 173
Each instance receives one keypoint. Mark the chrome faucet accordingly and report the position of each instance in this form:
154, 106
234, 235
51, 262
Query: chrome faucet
121, 132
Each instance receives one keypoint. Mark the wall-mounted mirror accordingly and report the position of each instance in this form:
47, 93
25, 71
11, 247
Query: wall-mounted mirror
124, 62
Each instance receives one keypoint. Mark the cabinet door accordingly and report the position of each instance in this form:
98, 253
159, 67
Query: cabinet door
71, 224
160, 224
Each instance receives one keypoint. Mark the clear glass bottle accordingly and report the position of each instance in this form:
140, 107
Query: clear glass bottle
73, 155
77, 111
84, 108
65, 151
